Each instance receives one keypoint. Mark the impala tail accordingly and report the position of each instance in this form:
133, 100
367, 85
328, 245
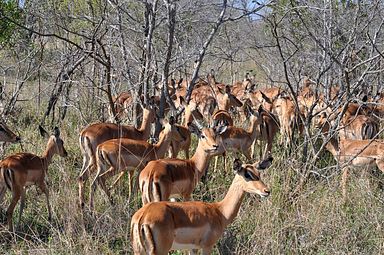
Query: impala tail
86, 147
142, 239
151, 191
8, 176
369, 130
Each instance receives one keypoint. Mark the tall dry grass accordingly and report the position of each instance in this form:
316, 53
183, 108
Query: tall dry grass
315, 221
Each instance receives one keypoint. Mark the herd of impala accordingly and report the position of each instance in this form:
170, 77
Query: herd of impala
350, 132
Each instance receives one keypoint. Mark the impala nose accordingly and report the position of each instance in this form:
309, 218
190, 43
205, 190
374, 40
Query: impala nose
267, 191
216, 146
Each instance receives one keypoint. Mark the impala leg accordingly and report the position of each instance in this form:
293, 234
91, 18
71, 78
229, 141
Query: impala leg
121, 174
15, 198
186, 152
186, 197
136, 183
379, 163
93, 185
344, 183
215, 166
22, 204
207, 251
3, 189
193, 251
44, 189
101, 179
101, 182
83, 177
253, 148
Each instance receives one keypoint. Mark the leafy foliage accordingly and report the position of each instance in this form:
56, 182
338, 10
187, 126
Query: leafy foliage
9, 10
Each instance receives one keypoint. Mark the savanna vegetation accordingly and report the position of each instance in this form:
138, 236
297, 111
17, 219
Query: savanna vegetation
62, 63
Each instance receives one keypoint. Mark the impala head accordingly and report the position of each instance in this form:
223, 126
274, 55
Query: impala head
321, 121
6, 135
171, 130
209, 138
254, 116
281, 103
55, 142
190, 110
149, 113
250, 174
229, 99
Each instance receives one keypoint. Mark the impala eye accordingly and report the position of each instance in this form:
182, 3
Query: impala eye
2, 129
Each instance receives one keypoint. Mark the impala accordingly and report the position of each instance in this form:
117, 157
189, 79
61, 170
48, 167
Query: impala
122, 102
360, 127
222, 117
160, 227
163, 178
207, 98
123, 154
268, 130
95, 134
21, 170
241, 140
190, 113
355, 153
6, 135
285, 109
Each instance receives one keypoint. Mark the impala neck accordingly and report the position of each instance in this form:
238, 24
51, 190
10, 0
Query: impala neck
333, 147
200, 160
162, 145
253, 130
187, 116
145, 127
230, 205
224, 103
333, 144
49, 152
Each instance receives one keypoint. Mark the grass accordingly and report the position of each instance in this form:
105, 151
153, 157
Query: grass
315, 221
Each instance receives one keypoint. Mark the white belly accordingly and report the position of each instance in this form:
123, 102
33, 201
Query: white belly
182, 246
189, 238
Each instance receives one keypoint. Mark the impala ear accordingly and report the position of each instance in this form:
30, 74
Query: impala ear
43, 133
237, 165
260, 109
171, 120
182, 101
323, 115
264, 164
56, 132
220, 129
249, 110
267, 99
220, 90
227, 89
194, 129
179, 83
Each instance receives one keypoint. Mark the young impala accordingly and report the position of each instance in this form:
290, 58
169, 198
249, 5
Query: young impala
160, 227
95, 134
161, 179
123, 154
352, 153
24, 169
